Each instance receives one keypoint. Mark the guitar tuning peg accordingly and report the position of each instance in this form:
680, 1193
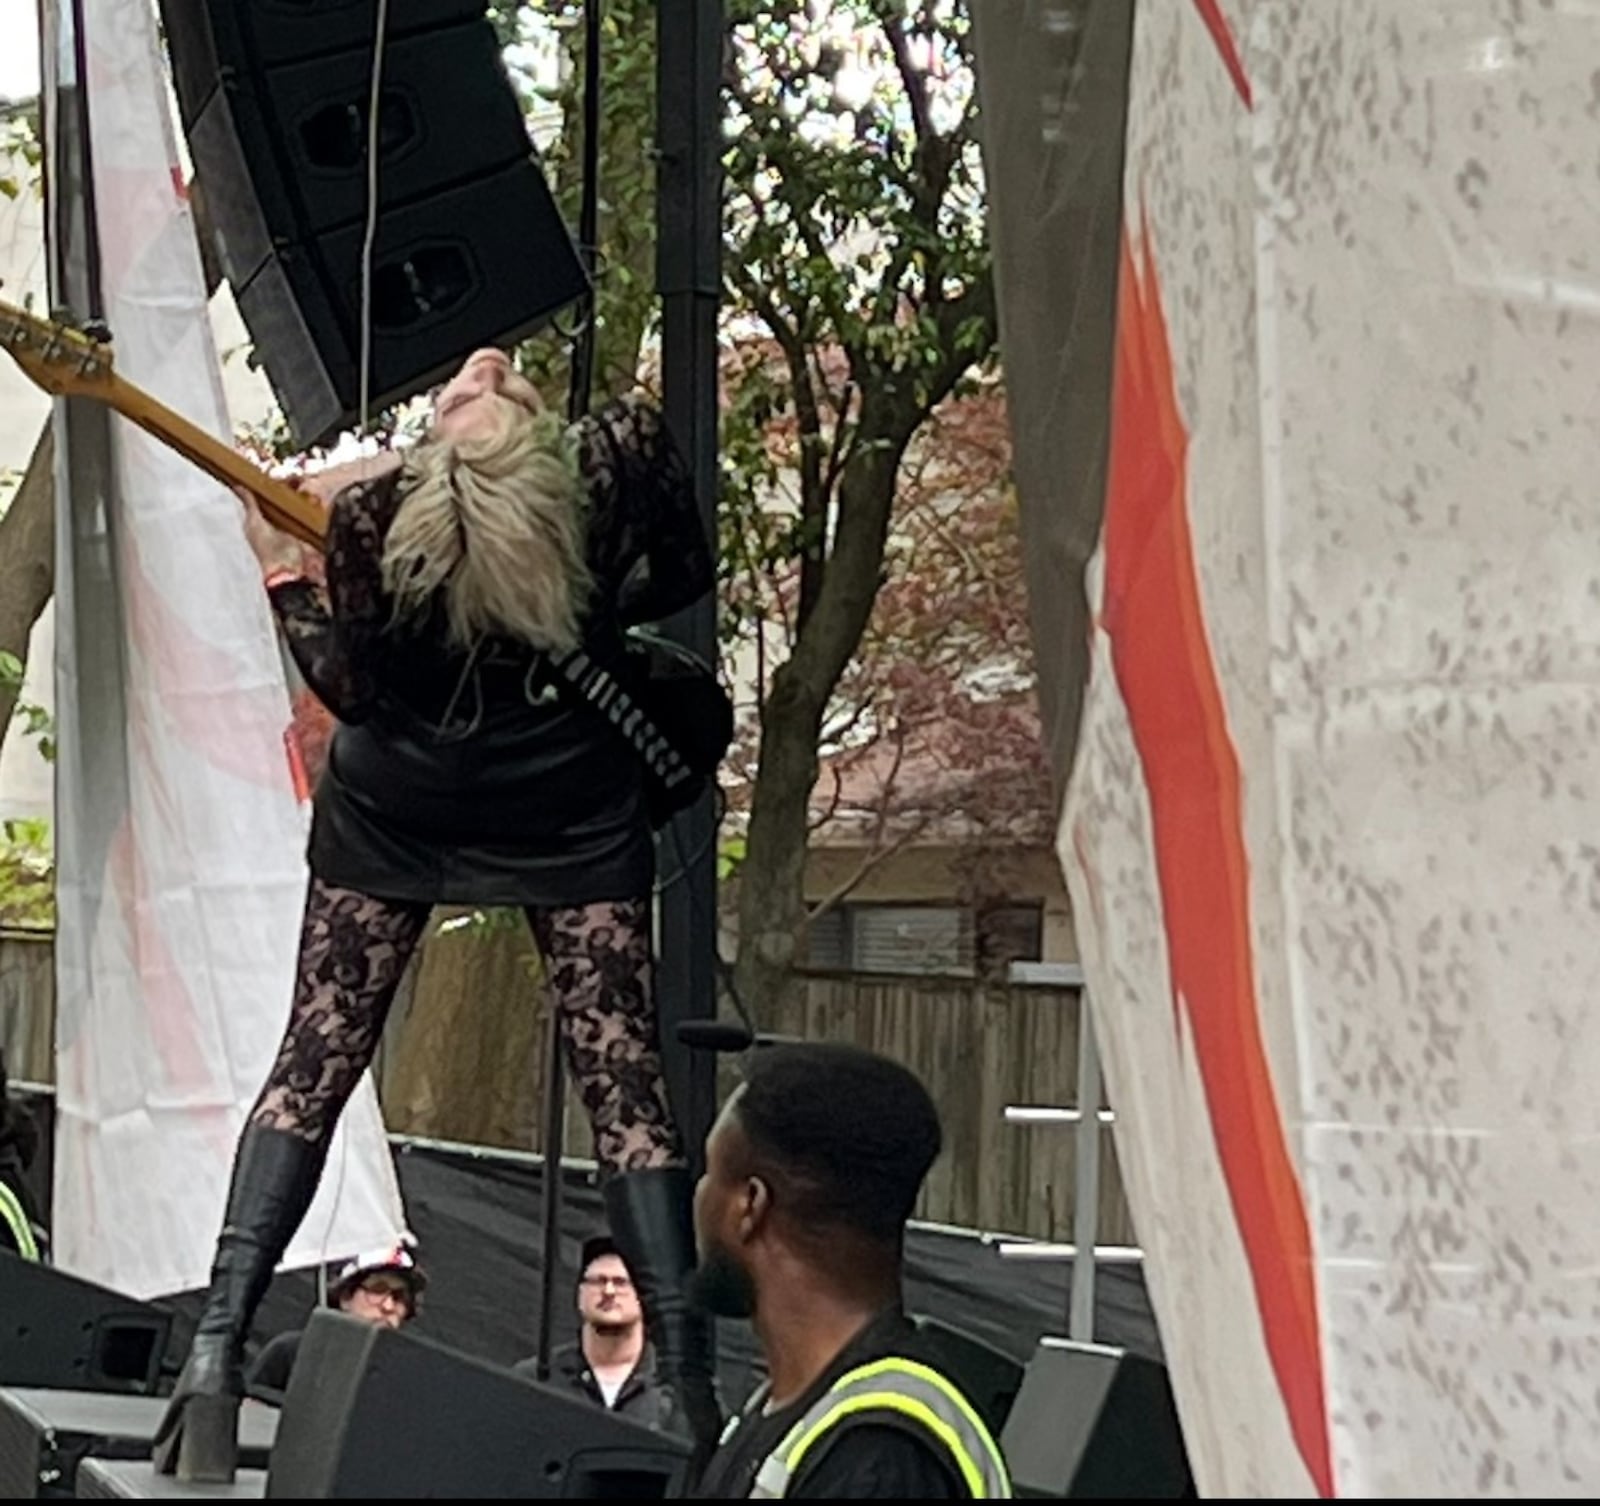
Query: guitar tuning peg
97, 330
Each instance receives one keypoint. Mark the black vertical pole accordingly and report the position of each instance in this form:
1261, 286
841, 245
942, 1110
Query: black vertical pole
92, 795
555, 1083
555, 1103
690, 38
73, 241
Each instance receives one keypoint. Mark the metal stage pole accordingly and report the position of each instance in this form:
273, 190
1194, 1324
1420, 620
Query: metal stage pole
1086, 1177
690, 38
555, 1103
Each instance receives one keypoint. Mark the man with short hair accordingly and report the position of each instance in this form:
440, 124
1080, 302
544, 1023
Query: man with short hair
383, 1287
812, 1172
612, 1364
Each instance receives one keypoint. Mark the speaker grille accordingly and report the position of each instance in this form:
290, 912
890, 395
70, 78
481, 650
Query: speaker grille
470, 248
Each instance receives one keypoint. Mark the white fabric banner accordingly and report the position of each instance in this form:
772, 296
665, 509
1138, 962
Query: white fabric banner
179, 840
1330, 832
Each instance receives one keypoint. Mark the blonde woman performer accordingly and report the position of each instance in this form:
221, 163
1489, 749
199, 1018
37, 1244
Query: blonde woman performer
458, 774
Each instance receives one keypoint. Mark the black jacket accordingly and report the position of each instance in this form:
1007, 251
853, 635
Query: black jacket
640, 1400
464, 777
268, 1375
869, 1459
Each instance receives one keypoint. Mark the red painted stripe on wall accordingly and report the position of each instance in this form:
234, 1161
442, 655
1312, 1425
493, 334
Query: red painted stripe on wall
1222, 35
1162, 659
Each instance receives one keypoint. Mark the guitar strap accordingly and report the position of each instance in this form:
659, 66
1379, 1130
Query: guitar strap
594, 685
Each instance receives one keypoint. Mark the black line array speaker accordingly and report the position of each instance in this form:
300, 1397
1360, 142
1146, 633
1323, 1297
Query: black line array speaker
58, 1331
377, 1414
1095, 1423
470, 249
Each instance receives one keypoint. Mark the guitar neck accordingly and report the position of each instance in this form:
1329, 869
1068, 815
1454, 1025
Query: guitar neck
296, 513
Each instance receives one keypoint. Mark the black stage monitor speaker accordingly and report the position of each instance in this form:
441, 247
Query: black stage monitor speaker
46, 1436
470, 249
58, 1331
371, 1412
130, 1480
989, 1379
1095, 1422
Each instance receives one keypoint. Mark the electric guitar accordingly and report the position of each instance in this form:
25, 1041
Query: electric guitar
65, 362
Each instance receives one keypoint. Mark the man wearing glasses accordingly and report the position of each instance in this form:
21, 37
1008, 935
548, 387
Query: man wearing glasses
612, 1364
382, 1288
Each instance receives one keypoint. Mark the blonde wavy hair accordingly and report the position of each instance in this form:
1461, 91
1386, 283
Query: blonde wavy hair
495, 524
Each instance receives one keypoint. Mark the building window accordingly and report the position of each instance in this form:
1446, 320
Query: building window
1007, 934
927, 940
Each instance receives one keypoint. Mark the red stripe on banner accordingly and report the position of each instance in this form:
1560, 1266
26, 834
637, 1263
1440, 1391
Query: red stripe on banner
169, 1006
1222, 35
1162, 659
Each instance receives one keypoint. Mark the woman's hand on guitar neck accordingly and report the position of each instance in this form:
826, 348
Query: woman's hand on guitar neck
275, 551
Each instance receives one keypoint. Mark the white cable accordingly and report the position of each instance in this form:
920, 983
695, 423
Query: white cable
372, 213
371, 235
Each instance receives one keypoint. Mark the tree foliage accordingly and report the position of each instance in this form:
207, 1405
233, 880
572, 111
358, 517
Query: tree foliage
932, 730
859, 299
856, 246
867, 546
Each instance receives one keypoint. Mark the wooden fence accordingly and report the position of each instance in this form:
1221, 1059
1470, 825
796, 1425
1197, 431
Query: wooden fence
978, 1048
468, 1064
27, 1004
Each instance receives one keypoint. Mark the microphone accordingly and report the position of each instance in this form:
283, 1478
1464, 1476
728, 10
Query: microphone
722, 1036
727, 1037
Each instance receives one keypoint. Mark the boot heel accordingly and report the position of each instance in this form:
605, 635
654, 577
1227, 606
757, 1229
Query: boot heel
208, 1440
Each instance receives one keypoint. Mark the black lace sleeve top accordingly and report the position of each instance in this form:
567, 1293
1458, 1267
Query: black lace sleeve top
647, 549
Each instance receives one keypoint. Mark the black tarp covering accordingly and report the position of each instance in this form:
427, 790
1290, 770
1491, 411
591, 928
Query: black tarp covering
477, 1218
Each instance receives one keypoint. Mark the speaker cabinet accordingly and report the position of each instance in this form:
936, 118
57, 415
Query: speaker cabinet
58, 1331
48, 1438
469, 249
372, 1412
1095, 1422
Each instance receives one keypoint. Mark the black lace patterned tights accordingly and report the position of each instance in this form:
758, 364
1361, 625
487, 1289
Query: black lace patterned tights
353, 950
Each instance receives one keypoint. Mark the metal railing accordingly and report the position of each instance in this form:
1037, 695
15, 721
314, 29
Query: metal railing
1087, 1126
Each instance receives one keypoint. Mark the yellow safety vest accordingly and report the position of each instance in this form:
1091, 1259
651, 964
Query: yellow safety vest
907, 1390
14, 1219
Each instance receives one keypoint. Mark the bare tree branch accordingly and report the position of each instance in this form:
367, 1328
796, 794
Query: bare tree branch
842, 430
858, 713
878, 851
808, 413
817, 822
916, 83
868, 864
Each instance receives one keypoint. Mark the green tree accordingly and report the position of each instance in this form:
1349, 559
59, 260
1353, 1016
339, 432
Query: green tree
856, 241
625, 253
27, 518
933, 731
855, 246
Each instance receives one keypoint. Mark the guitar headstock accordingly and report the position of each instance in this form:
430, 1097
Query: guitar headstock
62, 360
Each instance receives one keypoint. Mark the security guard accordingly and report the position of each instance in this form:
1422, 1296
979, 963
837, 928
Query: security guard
16, 1228
811, 1174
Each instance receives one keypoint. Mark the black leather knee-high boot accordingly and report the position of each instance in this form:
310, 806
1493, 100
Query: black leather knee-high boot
652, 1221
275, 1176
